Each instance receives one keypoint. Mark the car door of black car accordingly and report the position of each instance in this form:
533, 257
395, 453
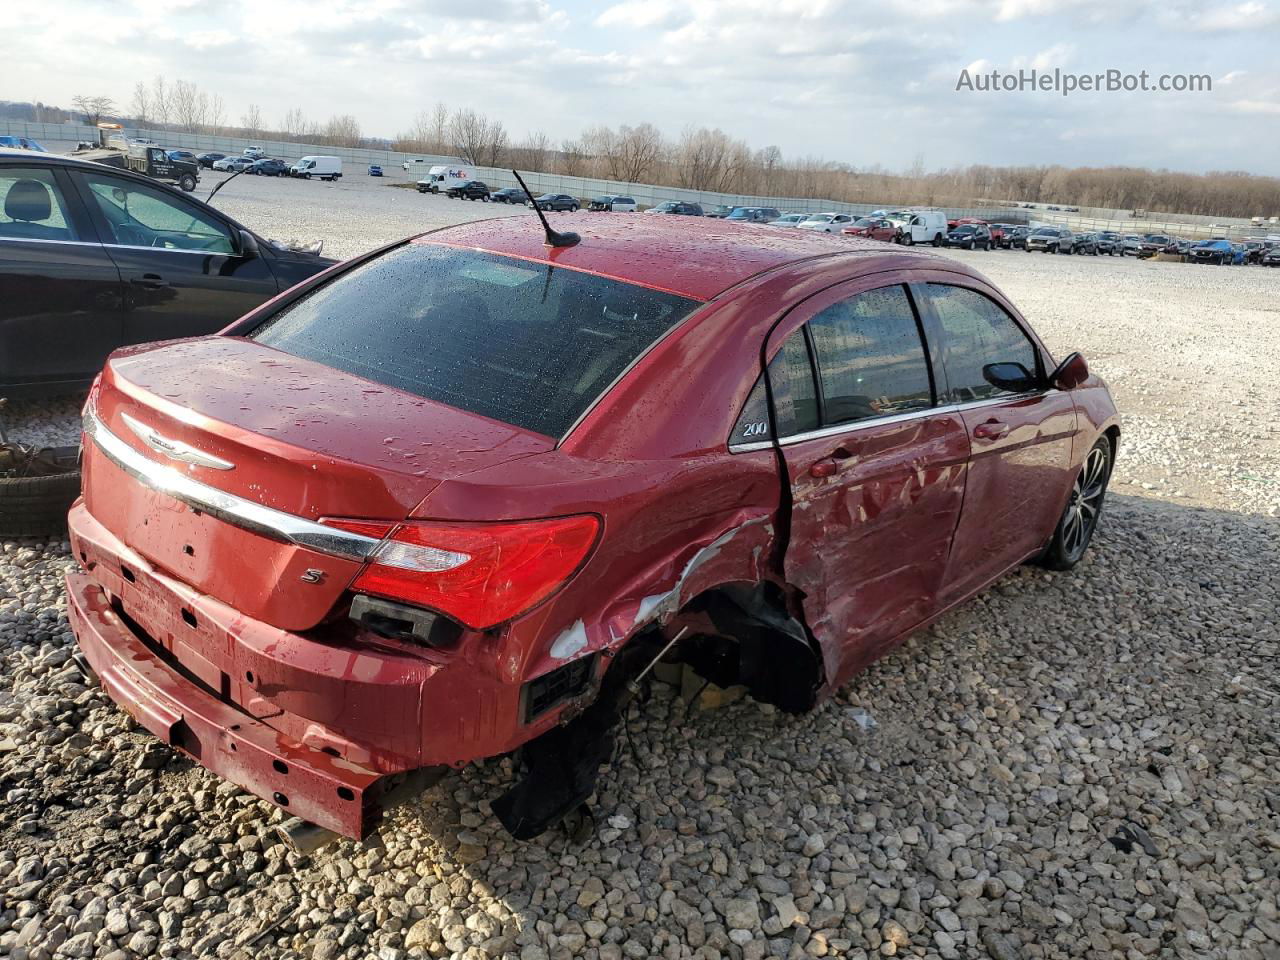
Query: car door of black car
60, 293
184, 270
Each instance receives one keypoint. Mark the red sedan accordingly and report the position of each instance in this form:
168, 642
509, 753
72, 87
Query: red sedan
458, 495
873, 228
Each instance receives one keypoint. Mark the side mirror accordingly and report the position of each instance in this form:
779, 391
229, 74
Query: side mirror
248, 245
1070, 373
1013, 377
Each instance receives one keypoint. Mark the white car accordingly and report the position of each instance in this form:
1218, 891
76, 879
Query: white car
254, 153
623, 205
789, 220
826, 222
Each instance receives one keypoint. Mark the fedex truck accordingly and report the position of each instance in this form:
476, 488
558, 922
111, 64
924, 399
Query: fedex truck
441, 178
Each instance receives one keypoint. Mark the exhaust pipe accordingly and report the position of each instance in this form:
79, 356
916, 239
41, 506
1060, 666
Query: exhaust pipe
304, 837
81, 663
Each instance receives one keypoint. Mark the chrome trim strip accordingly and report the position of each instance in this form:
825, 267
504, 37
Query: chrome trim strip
237, 511
117, 246
839, 428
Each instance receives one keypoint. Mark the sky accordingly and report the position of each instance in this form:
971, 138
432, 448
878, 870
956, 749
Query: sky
868, 83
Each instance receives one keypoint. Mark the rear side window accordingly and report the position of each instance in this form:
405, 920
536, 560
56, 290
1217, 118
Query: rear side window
978, 332
791, 376
32, 206
871, 360
520, 342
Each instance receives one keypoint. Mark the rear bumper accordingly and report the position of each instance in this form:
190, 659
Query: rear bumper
333, 793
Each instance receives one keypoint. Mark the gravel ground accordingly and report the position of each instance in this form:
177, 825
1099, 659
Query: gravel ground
1073, 765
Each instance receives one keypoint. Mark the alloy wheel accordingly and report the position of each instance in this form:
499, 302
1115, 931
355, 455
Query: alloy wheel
1086, 503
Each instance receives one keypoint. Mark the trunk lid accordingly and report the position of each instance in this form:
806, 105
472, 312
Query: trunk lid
300, 437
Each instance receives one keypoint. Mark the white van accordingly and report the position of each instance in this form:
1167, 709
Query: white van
924, 226
325, 168
441, 178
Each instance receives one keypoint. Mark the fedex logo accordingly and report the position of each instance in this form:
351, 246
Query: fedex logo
456, 174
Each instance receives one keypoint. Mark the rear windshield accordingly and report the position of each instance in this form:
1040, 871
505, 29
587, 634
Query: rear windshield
521, 342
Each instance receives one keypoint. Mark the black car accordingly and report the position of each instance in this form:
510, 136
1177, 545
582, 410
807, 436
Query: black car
1015, 236
1253, 251
557, 201
1109, 243
207, 159
1271, 257
1086, 243
753, 214
269, 167
93, 258
677, 207
469, 190
719, 211
508, 195
969, 236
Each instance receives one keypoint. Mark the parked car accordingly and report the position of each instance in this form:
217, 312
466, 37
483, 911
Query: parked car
320, 167
718, 211
1253, 251
1109, 243
555, 201
789, 220
207, 160
375, 170
1000, 234
1015, 236
233, 164
825, 222
469, 190
969, 236
119, 272
528, 483
1152, 244
996, 233
677, 207
22, 143
508, 195
614, 203
1053, 207
873, 228
1218, 251
921, 226
184, 155
753, 214
1271, 258
1071, 210
1086, 243
269, 167
255, 153
1131, 245
1050, 240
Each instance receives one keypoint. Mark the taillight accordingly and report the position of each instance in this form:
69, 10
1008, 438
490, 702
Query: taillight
481, 574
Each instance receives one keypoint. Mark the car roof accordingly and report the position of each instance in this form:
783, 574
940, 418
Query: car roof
693, 257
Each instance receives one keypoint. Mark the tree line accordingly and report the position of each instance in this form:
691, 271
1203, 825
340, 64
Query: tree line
698, 158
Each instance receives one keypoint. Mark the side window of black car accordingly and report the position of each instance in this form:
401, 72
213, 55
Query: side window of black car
32, 206
871, 359
791, 376
980, 335
139, 215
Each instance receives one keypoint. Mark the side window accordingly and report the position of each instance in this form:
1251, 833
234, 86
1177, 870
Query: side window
979, 332
791, 376
31, 206
871, 360
144, 216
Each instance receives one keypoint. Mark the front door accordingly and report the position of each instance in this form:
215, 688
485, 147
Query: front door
877, 486
60, 294
183, 273
1021, 435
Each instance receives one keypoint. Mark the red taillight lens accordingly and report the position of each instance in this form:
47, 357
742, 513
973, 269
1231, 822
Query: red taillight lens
481, 574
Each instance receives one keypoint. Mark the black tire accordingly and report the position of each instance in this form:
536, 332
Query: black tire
907, 239
937, 239
187, 182
36, 506
1079, 518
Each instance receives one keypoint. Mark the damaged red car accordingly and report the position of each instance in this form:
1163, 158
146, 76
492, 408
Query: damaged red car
449, 500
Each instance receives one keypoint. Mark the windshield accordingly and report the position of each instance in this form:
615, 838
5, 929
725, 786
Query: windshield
520, 342
741, 213
820, 218
964, 228
1047, 232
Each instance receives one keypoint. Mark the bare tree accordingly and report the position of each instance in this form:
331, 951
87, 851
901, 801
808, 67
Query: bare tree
252, 120
532, 152
477, 139
141, 106
161, 104
630, 153
94, 108
295, 123
710, 160
572, 160
216, 117
188, 105
342, 131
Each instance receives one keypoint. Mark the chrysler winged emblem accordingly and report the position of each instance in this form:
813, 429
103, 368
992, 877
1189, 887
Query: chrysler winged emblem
174, 449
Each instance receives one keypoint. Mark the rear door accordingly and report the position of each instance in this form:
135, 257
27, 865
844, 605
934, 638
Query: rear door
60, 293
1020, 435
877, 482
181, 264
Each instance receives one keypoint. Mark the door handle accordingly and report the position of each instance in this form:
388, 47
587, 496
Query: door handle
991, 430
150, 280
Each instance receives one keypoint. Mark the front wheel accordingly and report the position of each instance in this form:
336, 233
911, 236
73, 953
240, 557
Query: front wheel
187, 183
1084, 506
907, 239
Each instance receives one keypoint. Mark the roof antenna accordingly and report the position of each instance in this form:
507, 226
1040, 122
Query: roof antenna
554, 238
